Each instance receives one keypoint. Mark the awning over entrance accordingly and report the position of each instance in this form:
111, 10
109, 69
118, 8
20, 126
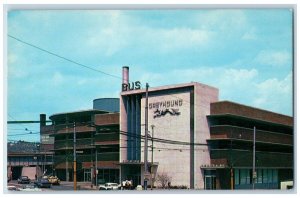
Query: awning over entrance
137, 162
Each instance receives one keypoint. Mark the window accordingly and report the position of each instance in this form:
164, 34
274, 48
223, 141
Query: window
245, 176
275, 176
236, 176
265, 176
270, 174
259, 176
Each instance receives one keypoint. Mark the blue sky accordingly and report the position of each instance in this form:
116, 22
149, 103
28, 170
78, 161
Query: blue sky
246, 53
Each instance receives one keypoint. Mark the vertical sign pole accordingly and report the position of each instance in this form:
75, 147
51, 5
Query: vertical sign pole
253, 170
146, 139
74, 154
152, 167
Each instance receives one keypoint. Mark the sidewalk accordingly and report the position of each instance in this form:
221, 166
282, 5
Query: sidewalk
80, 185
86, 186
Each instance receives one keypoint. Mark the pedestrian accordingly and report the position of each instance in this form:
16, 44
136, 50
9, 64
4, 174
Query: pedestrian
169, 185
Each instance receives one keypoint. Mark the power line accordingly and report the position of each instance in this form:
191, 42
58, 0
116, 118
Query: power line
23, 134
80, 64
168, 141
161, 140
19, 123
18, 129
138, 136
62, 57
23, 130
26, 122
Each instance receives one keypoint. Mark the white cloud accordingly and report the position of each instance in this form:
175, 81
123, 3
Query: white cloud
237, 85
12, 58
108, 40
180, 38
122, 31
228, 80
116, 38
14, 72
274, 58
57, 78
16, 66
225, 23
275, 94
283, 87
110, 32
239, 75
222, 19
250, 35
82, 82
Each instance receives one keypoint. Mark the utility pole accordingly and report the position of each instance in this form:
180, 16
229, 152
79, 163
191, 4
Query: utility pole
253, 170
68, 151
146, 139
45, 157
231, 163
74, 155
92, 162
96, 160
152, 167
96, 167
52, 165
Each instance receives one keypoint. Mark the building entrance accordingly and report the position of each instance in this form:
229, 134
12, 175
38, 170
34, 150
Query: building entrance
209, 179
87, 175
132, 173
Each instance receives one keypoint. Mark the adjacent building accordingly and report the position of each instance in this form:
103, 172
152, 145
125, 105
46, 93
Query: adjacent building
96, 135
232, 129
25, 158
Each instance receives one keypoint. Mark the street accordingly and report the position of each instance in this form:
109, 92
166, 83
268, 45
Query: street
64, 186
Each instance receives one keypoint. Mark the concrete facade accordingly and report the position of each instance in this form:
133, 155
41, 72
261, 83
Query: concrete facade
204, 95
178, 114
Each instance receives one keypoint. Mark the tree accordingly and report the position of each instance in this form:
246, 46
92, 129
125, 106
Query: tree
164, 180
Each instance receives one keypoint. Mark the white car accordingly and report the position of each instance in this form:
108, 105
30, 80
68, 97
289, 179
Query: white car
110, 186
14, 188
139, 187
31, 188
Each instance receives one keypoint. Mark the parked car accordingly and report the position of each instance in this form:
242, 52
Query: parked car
13, 188
139, 187
43, 183
54, 180
29, 188
110, 186
23, 180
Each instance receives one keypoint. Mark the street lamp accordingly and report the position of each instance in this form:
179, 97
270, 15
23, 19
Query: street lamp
152, 166
74, 156
95, 168
35, 160
253, 162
